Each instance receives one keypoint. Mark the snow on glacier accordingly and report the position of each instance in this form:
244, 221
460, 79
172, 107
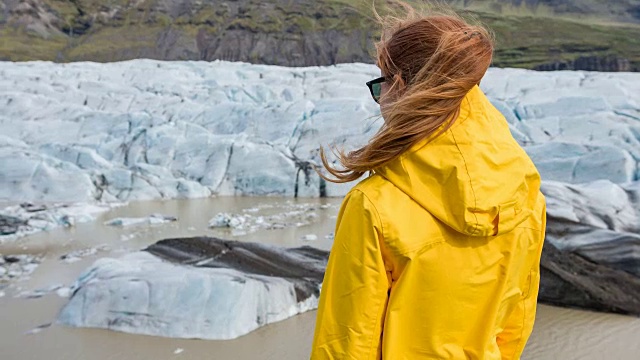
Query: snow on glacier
126, 131
146, 129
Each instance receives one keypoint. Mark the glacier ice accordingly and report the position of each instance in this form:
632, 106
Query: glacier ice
153, 219
146, 129
25, 219
203, 288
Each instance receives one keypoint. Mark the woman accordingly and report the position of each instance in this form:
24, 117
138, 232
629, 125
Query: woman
437, 253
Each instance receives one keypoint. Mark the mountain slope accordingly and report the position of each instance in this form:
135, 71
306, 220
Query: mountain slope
543, 34
624, 11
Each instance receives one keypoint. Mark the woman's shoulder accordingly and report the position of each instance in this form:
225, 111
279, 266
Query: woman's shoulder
378, 190
373, 185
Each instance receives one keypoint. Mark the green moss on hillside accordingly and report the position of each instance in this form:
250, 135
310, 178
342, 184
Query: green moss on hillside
529, 41
112, 44
18, 45
113, 30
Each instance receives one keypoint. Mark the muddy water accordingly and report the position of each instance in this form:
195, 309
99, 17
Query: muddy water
559, 333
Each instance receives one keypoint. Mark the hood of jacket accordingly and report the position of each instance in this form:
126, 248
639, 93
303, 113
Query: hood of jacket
474, 177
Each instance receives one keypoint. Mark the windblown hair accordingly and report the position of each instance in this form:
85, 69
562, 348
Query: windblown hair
431, 59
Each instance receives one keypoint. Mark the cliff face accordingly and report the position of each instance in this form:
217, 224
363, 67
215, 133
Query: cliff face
292, 33
626, 11
536, 34
590, 63
295, 49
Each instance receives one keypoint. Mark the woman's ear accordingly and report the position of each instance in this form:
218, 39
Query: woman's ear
397, 79
399, 86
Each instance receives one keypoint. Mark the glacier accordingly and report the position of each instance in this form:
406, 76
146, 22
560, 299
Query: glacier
144, 129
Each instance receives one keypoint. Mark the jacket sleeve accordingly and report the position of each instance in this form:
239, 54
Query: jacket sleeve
355, 290
519, 326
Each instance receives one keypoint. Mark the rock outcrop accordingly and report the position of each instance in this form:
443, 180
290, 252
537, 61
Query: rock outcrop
568, 279
590, 63
599, 221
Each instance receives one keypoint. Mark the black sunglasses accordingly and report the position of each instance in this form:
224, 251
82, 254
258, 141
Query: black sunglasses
375, 86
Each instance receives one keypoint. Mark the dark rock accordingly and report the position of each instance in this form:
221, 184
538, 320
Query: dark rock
590, 63
301, 49
303, 266
569, 280
10, 259
10, 225
634, 11
29, 207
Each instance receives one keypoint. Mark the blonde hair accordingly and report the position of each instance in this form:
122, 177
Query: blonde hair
432, 60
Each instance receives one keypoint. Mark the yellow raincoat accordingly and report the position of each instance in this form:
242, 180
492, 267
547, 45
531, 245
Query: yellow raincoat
436, 255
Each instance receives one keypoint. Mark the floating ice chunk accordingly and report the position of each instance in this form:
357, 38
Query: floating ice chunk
230, 289
224, 220
64, 292
127, 237
77, 255
17, 267
38, 329
153, 219
27, 218
38, 293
